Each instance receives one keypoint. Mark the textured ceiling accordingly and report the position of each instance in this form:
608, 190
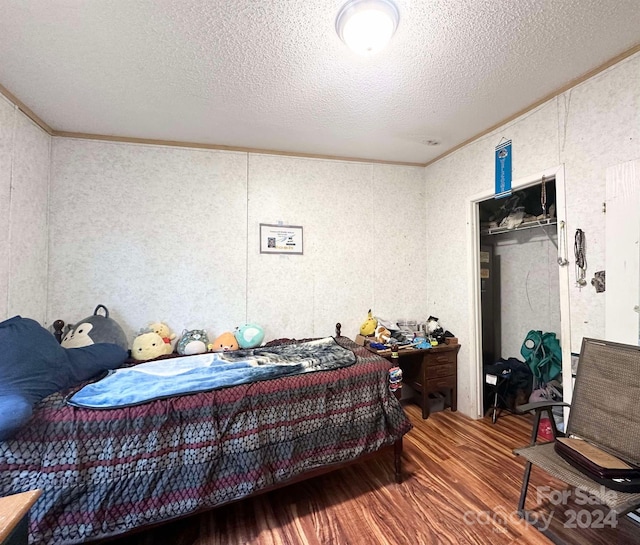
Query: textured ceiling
273, 74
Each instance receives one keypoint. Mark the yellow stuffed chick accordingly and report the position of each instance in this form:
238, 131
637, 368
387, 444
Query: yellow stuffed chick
148, 346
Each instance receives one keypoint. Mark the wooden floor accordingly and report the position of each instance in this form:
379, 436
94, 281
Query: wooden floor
461, 486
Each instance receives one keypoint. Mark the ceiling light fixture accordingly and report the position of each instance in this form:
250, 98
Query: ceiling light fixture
366, 26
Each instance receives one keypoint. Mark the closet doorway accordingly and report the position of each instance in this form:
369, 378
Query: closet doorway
519, 273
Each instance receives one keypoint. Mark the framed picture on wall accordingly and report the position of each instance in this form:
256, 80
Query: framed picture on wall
281, 239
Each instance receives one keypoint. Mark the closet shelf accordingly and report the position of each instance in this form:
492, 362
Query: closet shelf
522, 226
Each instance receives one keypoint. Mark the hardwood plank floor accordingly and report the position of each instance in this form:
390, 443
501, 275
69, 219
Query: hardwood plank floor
461, 486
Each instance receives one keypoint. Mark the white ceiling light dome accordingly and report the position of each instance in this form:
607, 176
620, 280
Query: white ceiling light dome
366, 26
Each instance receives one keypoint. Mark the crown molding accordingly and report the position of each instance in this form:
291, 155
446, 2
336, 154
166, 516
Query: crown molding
25, 109
573, 83
218, 147
87, 136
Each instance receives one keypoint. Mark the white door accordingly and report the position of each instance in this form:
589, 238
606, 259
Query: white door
622, 239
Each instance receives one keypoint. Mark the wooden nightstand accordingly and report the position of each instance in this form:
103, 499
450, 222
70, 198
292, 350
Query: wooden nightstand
429, 371
14, 515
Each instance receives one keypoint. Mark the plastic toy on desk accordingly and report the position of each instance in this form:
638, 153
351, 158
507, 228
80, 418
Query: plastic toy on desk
422, 343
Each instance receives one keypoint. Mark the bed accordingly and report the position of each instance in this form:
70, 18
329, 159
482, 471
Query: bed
107, 472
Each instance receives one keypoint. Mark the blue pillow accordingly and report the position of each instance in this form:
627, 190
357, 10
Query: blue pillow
15, 410
33, 365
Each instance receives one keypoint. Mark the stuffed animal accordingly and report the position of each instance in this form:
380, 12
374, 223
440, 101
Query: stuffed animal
95, 329
163, 330
434, 330
249, 335
224, 343
368, 327
382, 334
192, 342
148, 346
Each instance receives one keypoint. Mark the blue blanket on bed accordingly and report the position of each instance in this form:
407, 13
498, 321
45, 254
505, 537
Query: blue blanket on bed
189, 374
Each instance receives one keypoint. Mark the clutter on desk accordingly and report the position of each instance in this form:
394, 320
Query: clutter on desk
380, 333
423, 343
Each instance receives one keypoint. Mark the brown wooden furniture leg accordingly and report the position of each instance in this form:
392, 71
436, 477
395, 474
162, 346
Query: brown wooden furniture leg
426, 410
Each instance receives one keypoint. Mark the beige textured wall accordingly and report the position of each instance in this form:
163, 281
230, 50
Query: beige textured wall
161, 233
7, 121
529, 289
24, 182
588, 128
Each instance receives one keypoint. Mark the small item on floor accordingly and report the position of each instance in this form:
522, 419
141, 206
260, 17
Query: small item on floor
436, 402
512, 392
497, 387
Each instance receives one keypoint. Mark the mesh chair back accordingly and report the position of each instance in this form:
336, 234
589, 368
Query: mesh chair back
605, 408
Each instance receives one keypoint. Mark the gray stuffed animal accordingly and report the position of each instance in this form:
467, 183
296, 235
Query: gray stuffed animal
95, 329
192, 342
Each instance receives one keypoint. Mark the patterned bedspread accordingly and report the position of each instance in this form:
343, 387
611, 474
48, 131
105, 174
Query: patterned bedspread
105, 472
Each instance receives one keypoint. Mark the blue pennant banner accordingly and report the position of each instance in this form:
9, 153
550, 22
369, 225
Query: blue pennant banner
503, 169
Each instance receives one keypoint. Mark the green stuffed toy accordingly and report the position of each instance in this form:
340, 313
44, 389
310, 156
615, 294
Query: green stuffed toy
249, 335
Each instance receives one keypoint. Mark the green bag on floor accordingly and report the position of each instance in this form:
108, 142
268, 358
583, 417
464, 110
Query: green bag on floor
542, 353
